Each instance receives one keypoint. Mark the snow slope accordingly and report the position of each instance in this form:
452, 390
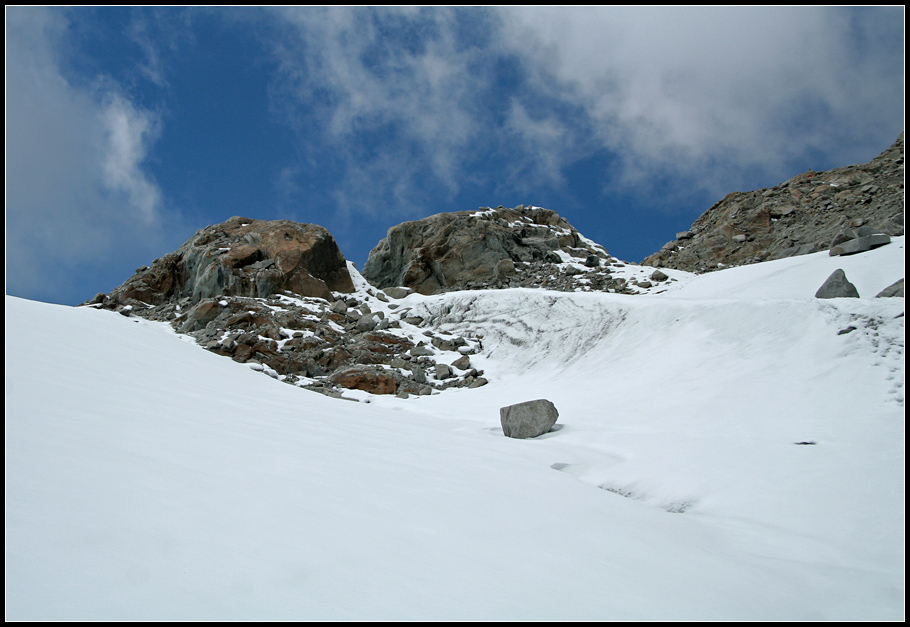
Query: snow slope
149, 479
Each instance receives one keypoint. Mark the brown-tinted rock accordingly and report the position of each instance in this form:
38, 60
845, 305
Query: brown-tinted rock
244, 257
800, 216
368, 380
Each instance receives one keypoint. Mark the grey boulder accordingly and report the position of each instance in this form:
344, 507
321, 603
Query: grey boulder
529, 419
865, 239
837, 286
895, 290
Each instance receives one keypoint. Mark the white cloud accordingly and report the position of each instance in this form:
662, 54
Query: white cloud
76, 190
128, 132
710, 96
544, 146
687, 89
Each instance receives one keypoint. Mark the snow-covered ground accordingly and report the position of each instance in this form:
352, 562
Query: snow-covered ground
149, 479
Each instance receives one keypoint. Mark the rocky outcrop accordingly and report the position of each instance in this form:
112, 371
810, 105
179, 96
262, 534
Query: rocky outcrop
361, 341
803, 215
490, 248
529, 419
241, 257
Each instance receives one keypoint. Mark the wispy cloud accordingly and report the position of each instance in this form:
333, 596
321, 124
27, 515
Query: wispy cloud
375, 75
696, 90
76, 191
128, 131
709, 96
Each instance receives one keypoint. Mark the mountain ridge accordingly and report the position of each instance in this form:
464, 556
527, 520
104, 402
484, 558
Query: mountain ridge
805, 214
280, 296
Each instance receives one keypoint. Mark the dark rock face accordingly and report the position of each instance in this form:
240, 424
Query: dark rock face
477, 249
243, 257
850, 242
807, 214
837, 286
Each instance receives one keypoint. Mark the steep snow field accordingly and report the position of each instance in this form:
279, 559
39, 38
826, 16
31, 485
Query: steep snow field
149, 479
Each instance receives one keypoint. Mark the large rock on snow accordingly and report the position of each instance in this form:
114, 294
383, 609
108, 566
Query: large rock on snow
837, 286
471, 249
800, 216
895, 290
529, 419
851, 241
243, 257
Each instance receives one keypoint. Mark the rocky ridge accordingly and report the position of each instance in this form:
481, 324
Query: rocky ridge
809, 213
280, 297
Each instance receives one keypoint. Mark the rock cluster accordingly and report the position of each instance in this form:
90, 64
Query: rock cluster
809, 213
280, 296
360, 341
497, 248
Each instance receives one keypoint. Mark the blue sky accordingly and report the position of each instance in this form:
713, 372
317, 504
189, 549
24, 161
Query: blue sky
130, 128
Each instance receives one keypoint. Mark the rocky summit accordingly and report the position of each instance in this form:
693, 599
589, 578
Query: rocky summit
812, 212
240, 257
490, 248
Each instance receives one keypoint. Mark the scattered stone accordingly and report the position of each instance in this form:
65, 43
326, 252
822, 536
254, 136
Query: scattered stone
367, 322
658, 276
422, 351
462, 363
443, 371
837, 286
397, 292
529, 419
